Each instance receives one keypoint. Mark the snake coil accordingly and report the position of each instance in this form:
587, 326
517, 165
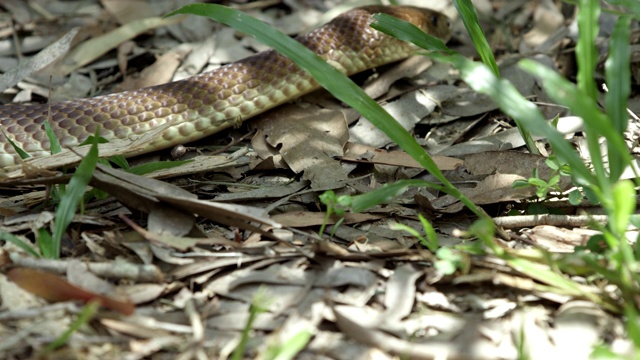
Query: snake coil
204, 104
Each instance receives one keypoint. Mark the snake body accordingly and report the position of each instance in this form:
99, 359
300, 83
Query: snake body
210, 102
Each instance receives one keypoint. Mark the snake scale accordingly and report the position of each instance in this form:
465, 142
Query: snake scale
210, 102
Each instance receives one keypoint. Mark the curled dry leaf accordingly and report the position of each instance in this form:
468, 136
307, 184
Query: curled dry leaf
54, 288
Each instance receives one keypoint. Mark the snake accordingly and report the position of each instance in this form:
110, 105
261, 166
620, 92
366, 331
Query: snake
204, 104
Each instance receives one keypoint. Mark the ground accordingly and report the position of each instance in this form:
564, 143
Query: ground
235, 249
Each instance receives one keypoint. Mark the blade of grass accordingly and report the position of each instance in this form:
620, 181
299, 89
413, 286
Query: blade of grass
586, 52
386, 193
290, 348
87, 313
119, 161
586, 58
481, 79
633, 323
18, 242
53, 139
470, 19
632, 5
259, 305
155, 166
23, 154
331, 79
430, 233
45, 244
624, 196
624, 205
557, 282
618, 76
408, 32
73, 195
596, 122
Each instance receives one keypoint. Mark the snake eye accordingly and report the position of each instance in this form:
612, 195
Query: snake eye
434, 20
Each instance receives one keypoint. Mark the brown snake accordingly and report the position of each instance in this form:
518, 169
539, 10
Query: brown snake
210, 102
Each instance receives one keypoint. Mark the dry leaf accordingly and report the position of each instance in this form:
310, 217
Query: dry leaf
362, 153
308, 139
54, 288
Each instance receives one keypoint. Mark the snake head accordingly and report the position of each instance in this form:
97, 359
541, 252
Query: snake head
430, 21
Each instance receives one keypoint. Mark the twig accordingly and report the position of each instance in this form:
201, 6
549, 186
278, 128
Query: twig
510, 222
111, 269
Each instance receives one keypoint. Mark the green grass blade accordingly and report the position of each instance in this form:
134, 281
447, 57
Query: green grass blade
259, 304
387, 193
45, 244
633, 324
87, 313
53, 139
408, 32
119, 161
23, 154
586, 58
632, 5
558, 282
156, 166
18, 242
586, 52
331, 79
72, 197
482, 80
618, 74
624, 196
412, 232
430, 233
291, 347
470, 19
596, 122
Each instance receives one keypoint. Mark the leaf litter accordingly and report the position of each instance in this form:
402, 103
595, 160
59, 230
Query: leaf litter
193, 250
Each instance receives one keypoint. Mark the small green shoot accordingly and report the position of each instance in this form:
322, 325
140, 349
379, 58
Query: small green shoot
451, 260
87, 313
23, 154
430, 240
633, 324
290, 348
45, 244
542, 187
523, 353
73, 195
156, 166
335, 205
469, 17
448, 260
259, 304
18, 242
71, 199
54, 144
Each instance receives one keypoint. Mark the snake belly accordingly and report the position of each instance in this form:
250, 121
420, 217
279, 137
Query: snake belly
204, 104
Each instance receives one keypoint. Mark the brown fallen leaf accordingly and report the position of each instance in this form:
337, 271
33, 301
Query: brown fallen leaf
308, 139
54, 288
174, 241
308, 218
367, 154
